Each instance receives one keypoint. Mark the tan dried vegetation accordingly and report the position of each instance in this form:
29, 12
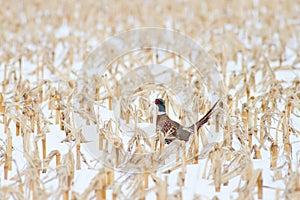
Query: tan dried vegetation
261, 108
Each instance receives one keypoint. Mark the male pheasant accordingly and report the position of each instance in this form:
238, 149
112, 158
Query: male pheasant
172, 129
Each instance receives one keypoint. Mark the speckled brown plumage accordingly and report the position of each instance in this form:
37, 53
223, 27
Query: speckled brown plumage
168, 127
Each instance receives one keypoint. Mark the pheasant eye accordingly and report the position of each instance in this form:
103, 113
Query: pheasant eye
156, 101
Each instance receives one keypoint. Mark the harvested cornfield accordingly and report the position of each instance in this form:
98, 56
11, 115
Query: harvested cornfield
79, 80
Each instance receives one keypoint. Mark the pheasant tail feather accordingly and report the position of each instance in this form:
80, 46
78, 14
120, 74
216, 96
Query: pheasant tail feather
206, 117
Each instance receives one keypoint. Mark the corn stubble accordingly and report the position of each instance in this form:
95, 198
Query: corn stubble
256, 115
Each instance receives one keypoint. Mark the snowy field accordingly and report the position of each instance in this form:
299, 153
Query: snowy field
44, 48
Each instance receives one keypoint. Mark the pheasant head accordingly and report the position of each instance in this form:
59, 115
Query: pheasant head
161, 105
